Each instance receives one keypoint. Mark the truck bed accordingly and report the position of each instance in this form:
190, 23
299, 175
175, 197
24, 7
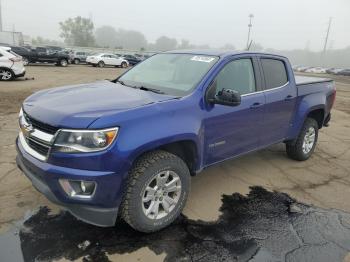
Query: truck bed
307, 80
309, 85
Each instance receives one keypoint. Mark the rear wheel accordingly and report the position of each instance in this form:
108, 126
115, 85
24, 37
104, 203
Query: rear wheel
304, 145
63, 62
6, 74
76, 61
156, 193
124, 65
101, 64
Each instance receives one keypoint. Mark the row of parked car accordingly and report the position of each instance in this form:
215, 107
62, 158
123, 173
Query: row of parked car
321, 70
13, 59
63, 57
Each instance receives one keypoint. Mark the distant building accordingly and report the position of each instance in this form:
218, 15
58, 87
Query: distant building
11, 38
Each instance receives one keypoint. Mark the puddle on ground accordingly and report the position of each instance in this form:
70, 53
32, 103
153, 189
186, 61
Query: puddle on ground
262, 226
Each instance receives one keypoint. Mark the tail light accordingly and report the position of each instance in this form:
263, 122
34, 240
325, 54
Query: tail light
16, 59
333, 98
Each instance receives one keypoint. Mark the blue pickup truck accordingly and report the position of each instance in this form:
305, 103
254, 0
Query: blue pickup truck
129, 147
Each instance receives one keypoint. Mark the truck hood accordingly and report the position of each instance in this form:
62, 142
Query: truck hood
77, 106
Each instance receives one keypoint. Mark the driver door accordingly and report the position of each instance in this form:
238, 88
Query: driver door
234, 130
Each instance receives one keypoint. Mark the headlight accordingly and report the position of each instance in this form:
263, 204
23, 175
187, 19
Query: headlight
76, 141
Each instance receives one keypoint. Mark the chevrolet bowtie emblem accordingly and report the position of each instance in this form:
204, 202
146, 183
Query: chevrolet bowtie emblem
26, 127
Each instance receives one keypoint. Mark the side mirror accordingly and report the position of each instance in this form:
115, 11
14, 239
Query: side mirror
227, 97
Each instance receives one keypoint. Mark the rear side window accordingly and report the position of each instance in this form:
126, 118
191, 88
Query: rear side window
275, 72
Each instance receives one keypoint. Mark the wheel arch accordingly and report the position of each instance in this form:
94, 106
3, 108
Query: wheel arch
185, 148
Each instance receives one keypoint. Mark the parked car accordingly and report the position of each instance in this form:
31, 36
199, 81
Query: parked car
303, 68
344, 72
133, 60
79, 57
333, 70
129, 146
316, 70
43, 54
11, 65
22, 51
101, 60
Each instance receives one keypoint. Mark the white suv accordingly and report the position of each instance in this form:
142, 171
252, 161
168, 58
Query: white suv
11, 64
102, 60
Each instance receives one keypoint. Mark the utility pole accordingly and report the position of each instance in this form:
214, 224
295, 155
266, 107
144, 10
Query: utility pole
327, 35
251, 16
0, 17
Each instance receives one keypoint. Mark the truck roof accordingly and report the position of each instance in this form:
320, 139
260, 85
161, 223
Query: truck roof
217, 52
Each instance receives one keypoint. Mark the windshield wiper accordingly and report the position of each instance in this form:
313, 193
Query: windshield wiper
121, 82
154, 90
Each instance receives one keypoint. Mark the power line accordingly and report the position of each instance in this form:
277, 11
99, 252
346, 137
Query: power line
251, 16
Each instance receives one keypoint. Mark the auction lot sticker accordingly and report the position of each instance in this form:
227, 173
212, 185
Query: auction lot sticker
206, 59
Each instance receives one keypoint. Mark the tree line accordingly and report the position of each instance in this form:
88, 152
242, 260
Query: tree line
80, 31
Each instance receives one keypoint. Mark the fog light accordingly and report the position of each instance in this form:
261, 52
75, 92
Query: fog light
78, 188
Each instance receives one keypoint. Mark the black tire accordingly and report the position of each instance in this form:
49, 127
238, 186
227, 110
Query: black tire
63, 62
101, 64
295, 148
76, 61
124, 65
6, 74
144, 171
25, 61
94, 65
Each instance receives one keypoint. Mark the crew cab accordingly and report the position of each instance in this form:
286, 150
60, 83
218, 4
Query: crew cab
43, 55
129, 146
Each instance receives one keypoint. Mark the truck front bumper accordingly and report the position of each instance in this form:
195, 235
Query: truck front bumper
40, 177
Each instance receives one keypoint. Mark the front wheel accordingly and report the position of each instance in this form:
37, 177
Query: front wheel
6, 74
25, 61
124, 65
101, 64
304, 145
76, 61
157, 190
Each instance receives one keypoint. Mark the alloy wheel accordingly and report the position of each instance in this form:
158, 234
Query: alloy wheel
161, 195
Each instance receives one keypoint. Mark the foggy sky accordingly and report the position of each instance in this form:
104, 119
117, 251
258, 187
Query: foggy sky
280, 24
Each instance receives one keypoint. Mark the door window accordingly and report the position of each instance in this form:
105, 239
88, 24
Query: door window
237, 75
275, 72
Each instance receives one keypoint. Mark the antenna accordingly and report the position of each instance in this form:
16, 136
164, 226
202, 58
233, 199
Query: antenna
251, 16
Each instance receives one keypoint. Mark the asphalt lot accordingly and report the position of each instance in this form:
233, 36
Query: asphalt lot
269, 199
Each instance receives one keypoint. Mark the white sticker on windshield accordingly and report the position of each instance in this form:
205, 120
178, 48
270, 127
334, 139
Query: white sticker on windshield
206, 59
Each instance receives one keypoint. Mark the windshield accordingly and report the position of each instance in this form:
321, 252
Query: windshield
173, 74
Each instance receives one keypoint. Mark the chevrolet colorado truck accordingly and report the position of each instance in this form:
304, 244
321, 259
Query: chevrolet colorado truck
129, 147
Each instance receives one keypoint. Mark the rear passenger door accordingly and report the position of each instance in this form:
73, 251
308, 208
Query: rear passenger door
280, 97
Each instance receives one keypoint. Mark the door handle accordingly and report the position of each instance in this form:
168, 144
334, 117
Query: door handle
288, 98
256, 105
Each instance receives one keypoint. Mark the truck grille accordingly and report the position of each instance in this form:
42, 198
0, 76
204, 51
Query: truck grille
36, 137
40, 125
38, 147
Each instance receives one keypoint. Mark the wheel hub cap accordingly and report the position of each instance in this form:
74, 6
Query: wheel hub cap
309, 140
161, 194
5, 75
